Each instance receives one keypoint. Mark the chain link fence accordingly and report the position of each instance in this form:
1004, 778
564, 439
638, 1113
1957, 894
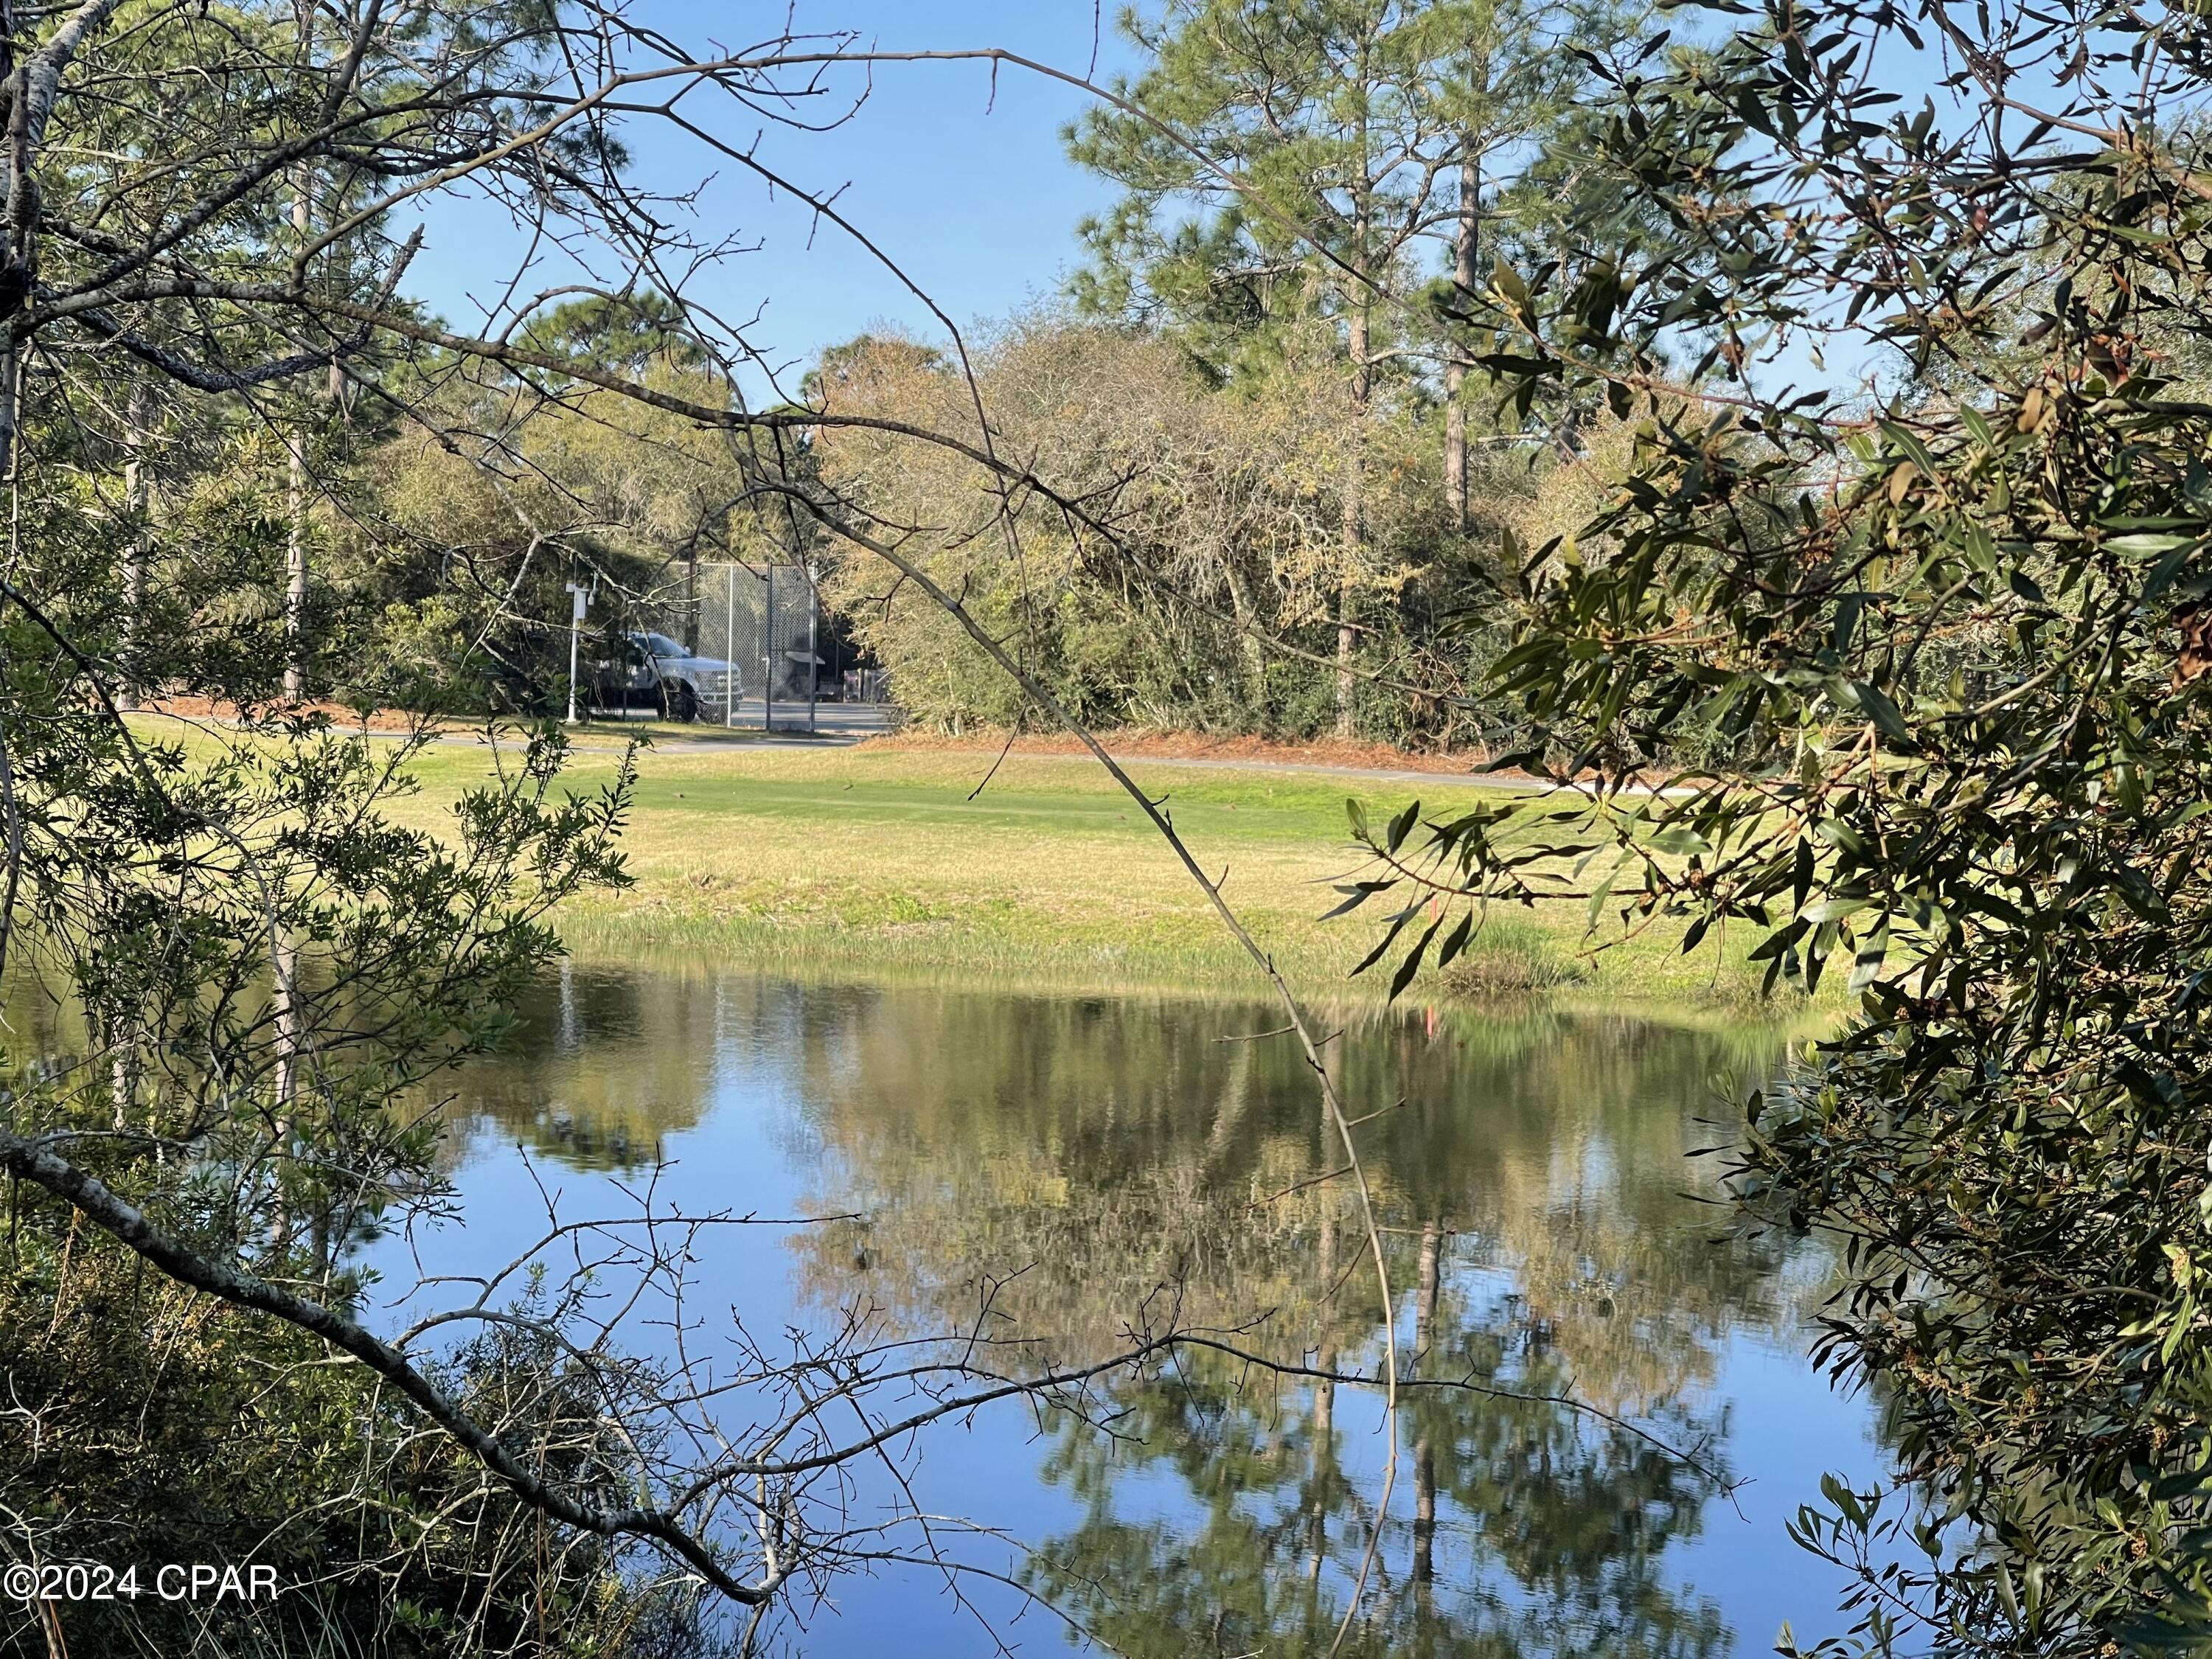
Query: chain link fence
733, 644
765, 621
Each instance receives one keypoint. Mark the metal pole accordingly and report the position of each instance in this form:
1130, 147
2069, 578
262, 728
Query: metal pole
768, 659
813, 665
733, 683
572, 671
577, 600
627, 670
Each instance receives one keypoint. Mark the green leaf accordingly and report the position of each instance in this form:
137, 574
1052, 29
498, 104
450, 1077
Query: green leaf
1412, 965
1831, 909
1882, 711
2163, 573
1358, 893
2143, 546
1867, 960
1456, 941
1401, 825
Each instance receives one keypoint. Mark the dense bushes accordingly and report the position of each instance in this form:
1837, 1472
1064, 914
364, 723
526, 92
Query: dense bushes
184, 1430
1190, 570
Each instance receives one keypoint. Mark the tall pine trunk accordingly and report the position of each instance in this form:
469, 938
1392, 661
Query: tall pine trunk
1353, 521
137, 501
288, 1050
1465, 240
296, 510
1353, 528
1321, 1425
296, 445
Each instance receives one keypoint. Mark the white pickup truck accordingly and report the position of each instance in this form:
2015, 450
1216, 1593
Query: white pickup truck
662, 673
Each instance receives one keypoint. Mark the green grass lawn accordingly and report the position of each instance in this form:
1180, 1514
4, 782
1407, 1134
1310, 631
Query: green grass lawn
879, 859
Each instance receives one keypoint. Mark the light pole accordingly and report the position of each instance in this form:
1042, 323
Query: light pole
813, 661
768, 658
579, 597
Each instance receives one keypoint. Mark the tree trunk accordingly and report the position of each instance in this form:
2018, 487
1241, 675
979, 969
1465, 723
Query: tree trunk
137, 500
289, 1047
295, 563
1430, 1276
295, 504
10, 405
691, 597
122, 1073
1353, 527
1247, 612
1425, 1520
296, 538
1464, 248
1358, 305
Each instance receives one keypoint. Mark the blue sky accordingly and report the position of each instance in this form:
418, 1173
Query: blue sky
962, 181
969, 190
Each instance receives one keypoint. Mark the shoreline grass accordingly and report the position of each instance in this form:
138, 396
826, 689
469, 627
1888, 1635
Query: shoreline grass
832, 859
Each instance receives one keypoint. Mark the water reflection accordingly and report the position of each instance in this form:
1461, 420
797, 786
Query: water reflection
1064, 1170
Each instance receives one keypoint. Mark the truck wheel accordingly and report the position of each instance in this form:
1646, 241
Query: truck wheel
679, 699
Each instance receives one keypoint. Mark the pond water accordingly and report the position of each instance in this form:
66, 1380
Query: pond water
1079, 1164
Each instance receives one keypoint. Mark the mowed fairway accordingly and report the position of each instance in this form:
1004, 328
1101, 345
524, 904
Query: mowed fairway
881, 859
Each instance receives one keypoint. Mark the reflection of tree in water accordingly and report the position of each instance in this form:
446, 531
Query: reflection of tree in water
1521, 1528
1576, 1517
1086, 1164
607, 1063
1120, 1157
1110, 1152
604, 1062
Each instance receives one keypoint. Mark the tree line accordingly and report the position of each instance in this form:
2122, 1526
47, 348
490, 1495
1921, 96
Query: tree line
1251, 379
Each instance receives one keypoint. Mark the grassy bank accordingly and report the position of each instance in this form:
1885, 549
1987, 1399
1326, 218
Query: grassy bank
831, 859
